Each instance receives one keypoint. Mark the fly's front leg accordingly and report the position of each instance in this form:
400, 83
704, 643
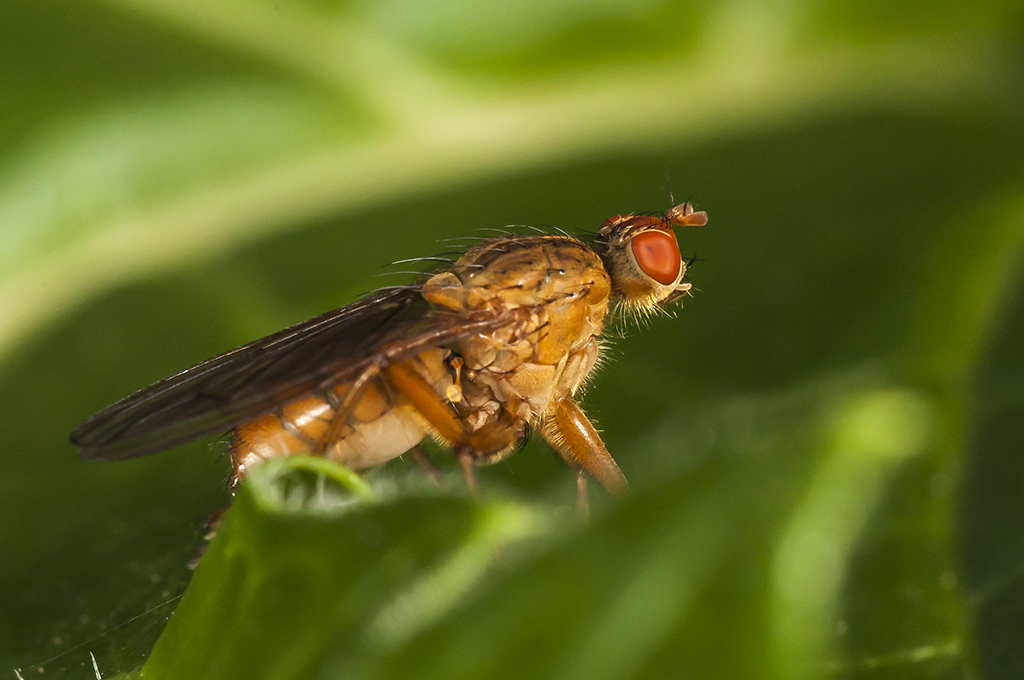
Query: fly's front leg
569, 432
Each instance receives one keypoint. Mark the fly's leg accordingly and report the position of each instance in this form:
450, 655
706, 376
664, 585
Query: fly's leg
468, 446
424, 399
466, 461
432, 407
569, 432
341, 410
209, 531
483, 445
425, 465
582, 499
311, 425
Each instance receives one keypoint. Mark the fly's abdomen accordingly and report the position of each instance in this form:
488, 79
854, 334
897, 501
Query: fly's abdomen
380, 426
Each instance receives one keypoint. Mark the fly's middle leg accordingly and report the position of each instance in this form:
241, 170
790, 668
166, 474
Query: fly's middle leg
469, 446
425, 465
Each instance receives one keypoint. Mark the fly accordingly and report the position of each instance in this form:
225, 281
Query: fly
474, 357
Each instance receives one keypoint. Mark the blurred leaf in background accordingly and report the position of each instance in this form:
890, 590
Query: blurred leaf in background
824, 444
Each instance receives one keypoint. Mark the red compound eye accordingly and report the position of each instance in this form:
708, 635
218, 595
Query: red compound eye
657, 253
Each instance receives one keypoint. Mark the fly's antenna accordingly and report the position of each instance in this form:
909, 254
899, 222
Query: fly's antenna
683, 215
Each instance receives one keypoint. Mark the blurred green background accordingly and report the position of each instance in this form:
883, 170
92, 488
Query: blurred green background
823, 444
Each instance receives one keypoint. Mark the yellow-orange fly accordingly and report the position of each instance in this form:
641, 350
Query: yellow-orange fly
473, 357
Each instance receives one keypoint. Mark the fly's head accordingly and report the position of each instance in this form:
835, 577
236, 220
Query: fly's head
641, 255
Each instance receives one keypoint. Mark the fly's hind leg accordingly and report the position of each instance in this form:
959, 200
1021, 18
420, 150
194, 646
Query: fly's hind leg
343, 407
569, 432
310, 424
210, 528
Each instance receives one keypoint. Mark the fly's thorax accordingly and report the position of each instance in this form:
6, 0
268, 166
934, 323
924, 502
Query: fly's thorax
527, 390
555, 291
514, 272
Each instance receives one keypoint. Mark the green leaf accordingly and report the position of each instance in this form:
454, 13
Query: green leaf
296, 565
823, 444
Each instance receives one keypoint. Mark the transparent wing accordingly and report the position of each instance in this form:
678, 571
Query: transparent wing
223, 392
